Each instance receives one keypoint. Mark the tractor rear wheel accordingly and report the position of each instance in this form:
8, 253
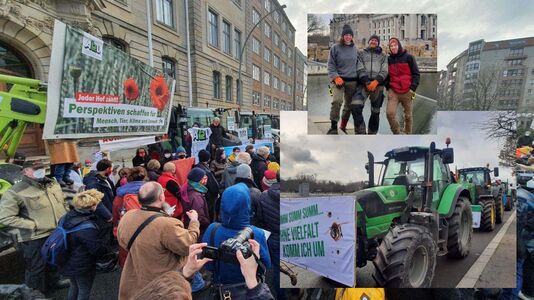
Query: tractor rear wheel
460, 229
499, 210
487, 219
406, 258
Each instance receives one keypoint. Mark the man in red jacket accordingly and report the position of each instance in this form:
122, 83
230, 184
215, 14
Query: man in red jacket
403, 81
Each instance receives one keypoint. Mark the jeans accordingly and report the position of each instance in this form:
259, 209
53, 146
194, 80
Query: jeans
37, 275
80, 286
391, 111
274, 252
61, 171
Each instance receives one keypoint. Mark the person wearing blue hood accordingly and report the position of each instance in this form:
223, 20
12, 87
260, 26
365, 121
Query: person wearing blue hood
372, 72
235, 216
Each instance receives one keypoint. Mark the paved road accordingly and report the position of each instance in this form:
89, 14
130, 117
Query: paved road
424, 110
499, 272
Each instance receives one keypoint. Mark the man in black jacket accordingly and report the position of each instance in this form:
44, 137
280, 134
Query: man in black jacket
217, 134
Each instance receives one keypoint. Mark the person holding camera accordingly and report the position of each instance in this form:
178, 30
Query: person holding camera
157, 243
176, 285
231, 236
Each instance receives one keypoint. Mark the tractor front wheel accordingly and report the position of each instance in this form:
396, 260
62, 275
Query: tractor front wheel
460, 229
487, 219
406, 258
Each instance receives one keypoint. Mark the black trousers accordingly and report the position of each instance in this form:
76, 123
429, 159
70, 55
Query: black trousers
38, 275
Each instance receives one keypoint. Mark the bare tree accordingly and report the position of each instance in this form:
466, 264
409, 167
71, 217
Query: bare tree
501, 127
484, 89
315, 23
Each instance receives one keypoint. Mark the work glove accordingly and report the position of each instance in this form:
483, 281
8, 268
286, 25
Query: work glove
338, 81
413, 94
371, 87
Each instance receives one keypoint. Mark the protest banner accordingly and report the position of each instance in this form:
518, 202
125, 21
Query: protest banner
242, 135
97, 90
319, 234
257, 144
200, 138
114, 144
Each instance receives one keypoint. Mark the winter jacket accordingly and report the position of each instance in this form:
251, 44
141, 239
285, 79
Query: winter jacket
131, 187
525, 223
218, 169
235, 216
84, 246
258, 166
342, 61
172, 193
229, 174
153, 175
193, 199
403, 72
139, 161
267, 212
217, 135
105, 186
255, 195
372, 64
162, 246
260, 292
213, 188
33, 207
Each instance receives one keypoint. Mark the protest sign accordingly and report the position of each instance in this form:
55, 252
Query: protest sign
200, 138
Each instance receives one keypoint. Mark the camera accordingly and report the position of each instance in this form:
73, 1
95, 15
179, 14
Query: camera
228, 248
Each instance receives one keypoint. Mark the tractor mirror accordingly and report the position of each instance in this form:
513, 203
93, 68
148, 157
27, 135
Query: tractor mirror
447, 155
496, 172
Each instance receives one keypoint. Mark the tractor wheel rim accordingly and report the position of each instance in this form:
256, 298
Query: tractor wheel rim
464, 231
418, 267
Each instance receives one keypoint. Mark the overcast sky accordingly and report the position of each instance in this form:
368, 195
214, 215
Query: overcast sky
343, 158
459, 21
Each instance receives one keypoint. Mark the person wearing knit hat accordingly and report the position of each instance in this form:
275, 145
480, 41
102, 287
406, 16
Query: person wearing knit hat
403, 81
342, 73
244, 171
268, 179
372, 72
244, 175
273, 166
213, 185
193, 197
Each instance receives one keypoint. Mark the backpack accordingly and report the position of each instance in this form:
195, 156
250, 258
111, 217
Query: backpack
121, 206
54, 250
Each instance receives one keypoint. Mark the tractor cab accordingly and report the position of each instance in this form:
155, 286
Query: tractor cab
259, 125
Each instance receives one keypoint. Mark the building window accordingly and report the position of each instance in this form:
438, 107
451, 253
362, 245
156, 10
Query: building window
276, 16
266, 101
268, 5
256, 45
276, 61
213, 29
229, 81
255, 16
119, 44
237, 2
256, 98
275, 103
284, 46
283, 105
289, 90
227, 44
267, 54
267, 30
164, 12
283, 67
289, 71
516, 52
275, 82
266, 78
282, 86
169, 67
216, 85
276, 39
284, 26
13, 63
289, 53
237, 43
256, 72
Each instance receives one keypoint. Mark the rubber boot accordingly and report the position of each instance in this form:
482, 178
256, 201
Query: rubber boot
357, 115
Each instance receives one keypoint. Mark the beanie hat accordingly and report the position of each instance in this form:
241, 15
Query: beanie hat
243, 171
347, 30
398, 43
180, 149
268, 179
374, 36
273, 166
204, 156
196, 174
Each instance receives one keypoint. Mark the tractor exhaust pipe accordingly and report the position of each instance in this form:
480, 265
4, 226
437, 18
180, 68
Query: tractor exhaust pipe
370, 167
429, 178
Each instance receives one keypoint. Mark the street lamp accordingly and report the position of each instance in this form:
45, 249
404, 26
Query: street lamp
240, 84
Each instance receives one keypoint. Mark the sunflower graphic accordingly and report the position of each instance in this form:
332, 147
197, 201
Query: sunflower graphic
131, 90
159, 92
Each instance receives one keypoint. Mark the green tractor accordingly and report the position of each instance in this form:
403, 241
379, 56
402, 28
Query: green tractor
418, 212
487, 195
